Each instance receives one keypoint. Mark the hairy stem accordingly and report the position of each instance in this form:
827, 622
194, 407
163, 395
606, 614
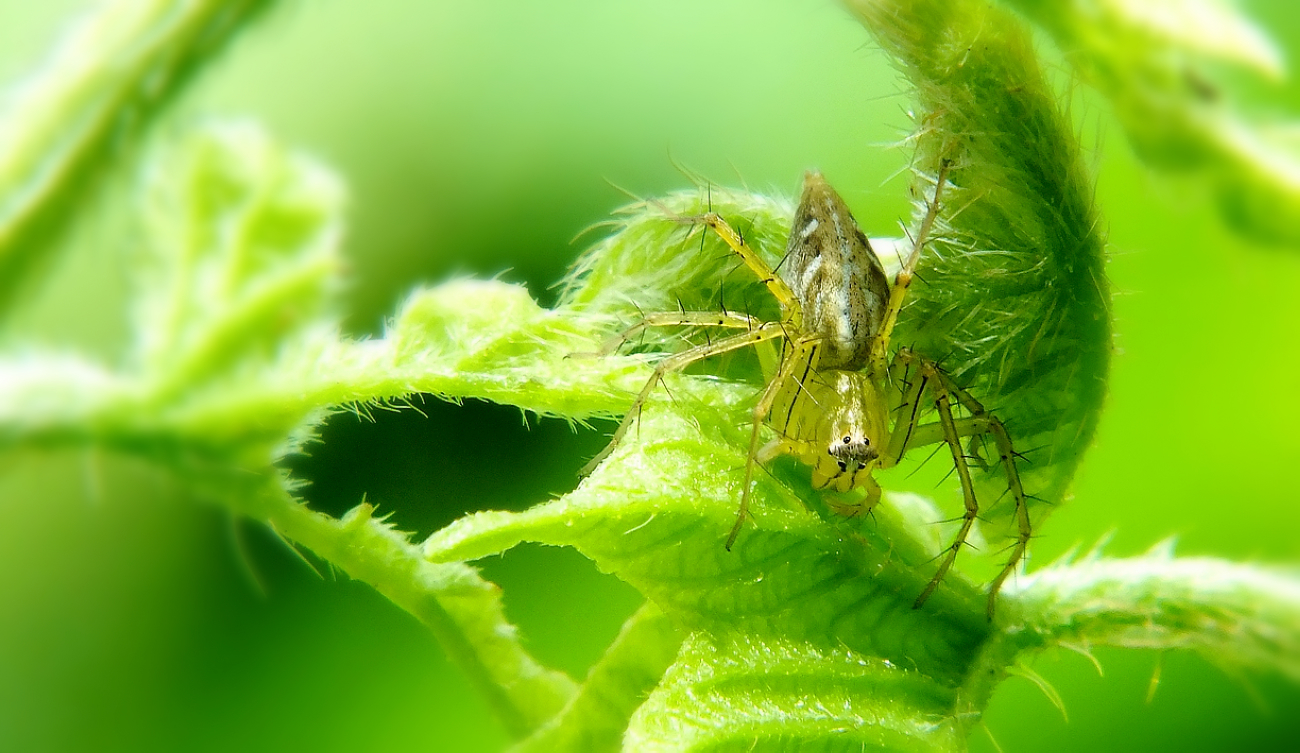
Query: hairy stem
68, 122
462, 610
1232, 614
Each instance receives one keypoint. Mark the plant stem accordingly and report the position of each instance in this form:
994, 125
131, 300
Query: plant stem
461, 609
70, 120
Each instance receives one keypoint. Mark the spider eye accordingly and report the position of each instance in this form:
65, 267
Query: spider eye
848, 440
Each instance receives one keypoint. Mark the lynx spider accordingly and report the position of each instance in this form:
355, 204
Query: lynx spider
827, 400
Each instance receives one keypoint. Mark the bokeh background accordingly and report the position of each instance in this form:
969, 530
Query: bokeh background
481, 137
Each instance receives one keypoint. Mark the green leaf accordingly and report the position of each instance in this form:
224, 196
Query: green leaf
1014, 301
797, 586
67, 124
1157, 62
805, 634
463, 611
234, 285
242, 254
741, 692
596, 718
238, 357
1233, 615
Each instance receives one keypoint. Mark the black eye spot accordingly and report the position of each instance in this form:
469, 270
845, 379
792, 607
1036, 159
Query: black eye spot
848, 439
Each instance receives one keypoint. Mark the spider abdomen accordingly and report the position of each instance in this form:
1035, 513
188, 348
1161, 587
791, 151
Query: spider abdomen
839, 282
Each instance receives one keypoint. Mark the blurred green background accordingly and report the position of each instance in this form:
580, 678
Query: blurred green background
480, 138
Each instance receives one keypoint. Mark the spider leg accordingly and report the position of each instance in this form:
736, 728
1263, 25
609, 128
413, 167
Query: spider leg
909, 432
943, 404
679, 319
676, 362
800, 358
880, 346
761, 269
989, 424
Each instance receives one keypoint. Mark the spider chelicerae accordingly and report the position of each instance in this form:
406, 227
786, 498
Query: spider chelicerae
829, 399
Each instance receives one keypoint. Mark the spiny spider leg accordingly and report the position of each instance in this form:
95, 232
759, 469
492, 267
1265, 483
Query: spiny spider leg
987, 423
803, 354
764, 332
903, 280
736, 242
908, 432
943, 404
759, 331
679, 319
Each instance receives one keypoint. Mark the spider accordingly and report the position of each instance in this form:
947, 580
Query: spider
828, 400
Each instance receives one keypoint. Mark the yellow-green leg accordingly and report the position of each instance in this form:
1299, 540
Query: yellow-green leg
763, 333
903, 280
800, 356
726, 320
908, 433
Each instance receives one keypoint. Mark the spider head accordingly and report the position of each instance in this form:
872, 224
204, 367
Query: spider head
849, 461
851, 435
